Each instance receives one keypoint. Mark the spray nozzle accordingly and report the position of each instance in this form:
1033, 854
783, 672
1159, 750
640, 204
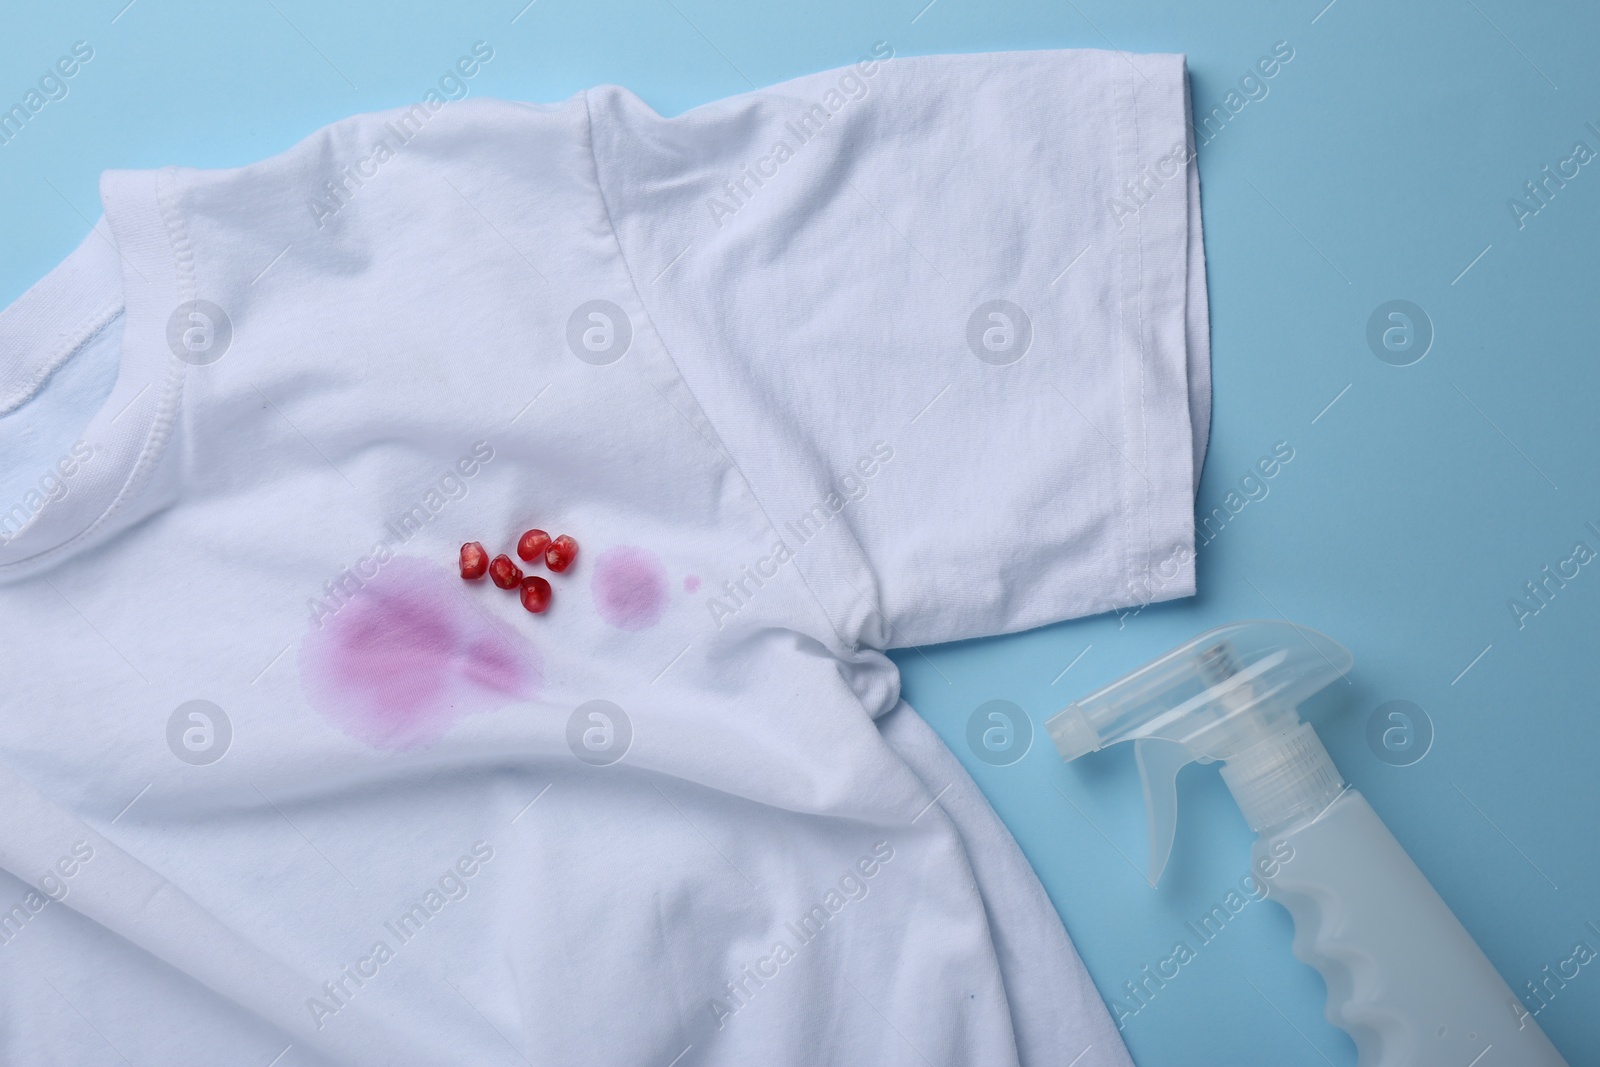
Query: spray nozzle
1231, 694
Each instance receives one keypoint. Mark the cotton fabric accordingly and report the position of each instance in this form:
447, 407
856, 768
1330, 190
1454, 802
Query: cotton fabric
277, 782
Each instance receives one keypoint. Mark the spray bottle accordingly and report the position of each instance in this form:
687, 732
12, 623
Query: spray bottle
1405, 980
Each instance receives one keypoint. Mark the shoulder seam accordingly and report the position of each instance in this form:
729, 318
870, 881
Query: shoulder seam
666, 350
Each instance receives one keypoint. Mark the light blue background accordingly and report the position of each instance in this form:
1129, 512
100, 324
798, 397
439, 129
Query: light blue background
1378, 167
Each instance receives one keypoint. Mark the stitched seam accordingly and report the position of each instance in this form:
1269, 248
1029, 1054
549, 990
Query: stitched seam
166, 417
622, 256
64, 350
104, 318
178, 235
1126, 481
1144, 426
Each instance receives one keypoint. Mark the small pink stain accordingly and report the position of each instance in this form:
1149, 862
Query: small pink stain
629, 587
407, 657
691, 583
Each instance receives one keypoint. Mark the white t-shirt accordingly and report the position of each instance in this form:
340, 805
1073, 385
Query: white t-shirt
907, 352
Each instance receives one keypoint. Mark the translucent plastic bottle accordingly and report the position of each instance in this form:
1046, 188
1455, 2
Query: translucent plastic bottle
1405, 980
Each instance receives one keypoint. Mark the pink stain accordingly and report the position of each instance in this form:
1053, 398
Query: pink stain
629, 587
691, 583
408, 656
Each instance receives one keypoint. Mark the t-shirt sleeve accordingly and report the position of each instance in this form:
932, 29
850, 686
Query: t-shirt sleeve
947, 317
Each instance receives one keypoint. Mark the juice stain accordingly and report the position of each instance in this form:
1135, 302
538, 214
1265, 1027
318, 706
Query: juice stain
408, 656
629, 588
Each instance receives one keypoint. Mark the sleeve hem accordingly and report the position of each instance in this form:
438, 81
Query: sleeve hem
1165, 351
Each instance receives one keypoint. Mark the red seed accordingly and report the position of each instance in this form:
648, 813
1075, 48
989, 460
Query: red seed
535, 593
562, 551
533, 544
504, 573
474, 561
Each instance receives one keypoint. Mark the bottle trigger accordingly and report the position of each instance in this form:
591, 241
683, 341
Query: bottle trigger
1159, 762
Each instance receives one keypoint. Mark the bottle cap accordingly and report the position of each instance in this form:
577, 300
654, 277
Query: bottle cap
1231, 694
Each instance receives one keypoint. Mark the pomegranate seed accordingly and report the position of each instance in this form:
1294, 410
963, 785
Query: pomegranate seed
535, 594
533, 544
474, 561
562, 551
504, 573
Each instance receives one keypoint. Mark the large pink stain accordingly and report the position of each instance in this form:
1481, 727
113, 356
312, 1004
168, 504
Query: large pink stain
409, 656
629, 588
